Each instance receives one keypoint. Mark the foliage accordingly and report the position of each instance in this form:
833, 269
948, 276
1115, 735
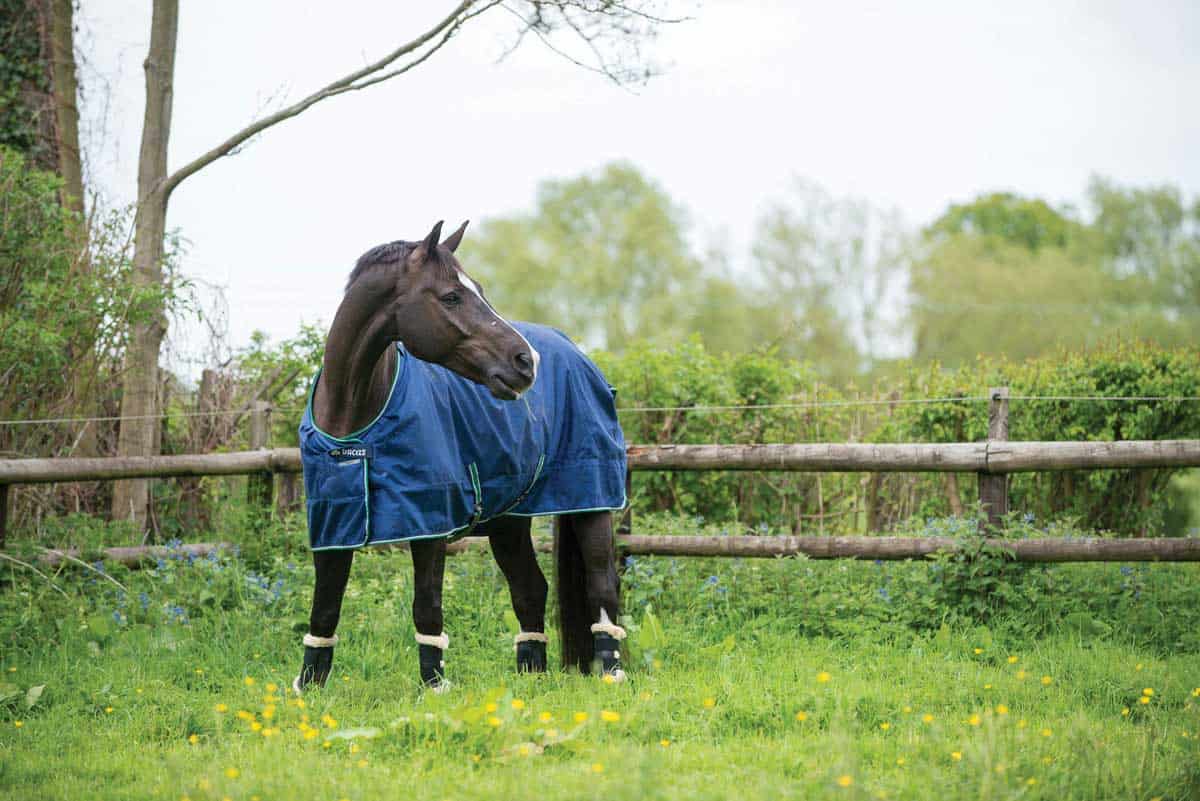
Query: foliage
816, 679
23, 80
603, 256
1010, 276
827, 271
1128, 501
657, 388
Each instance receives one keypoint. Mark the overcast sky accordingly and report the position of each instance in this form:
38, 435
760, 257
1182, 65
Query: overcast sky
910, 105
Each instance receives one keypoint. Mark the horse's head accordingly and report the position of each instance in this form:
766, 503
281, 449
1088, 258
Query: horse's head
442, 316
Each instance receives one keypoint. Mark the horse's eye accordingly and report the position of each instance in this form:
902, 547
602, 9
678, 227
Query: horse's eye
451, 299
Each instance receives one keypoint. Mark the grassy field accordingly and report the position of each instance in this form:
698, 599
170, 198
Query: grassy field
781, 679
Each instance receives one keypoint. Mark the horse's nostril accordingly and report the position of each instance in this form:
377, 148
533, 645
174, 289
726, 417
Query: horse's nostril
524, 362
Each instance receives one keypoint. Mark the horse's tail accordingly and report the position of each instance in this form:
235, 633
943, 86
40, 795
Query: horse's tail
574, 622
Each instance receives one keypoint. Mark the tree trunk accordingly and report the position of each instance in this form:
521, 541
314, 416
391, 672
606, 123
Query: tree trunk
140, 404
66, 89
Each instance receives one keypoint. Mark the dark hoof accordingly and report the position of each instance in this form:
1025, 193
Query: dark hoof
433, 668
318, 662
531, 657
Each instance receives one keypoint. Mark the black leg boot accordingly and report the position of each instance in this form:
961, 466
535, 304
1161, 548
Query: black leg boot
431, 653
608, 657
318, 662
531, 652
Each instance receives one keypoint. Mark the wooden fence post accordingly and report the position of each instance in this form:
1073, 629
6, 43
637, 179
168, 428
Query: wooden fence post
993, 488
260, 486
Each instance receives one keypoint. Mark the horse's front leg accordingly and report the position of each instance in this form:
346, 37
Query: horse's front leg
429, 565
513, 549
332, 573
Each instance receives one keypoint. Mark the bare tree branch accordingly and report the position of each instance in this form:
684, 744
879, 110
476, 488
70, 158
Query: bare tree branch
344, 84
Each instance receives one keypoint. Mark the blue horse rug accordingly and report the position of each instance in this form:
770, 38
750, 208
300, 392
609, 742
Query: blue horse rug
444, 455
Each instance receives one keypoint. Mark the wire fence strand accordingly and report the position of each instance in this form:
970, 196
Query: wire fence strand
736, 407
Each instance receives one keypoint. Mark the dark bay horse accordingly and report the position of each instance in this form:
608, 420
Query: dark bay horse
434, 417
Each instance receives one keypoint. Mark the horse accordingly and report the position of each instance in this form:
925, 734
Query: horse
420, 374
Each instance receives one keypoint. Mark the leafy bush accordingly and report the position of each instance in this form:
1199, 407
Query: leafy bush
658, 390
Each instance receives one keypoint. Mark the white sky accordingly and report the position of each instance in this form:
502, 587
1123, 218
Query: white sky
911, 105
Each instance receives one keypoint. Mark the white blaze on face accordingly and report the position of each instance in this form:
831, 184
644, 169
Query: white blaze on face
470, 284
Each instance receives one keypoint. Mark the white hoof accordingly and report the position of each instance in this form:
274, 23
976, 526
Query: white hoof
441, 688
296, 685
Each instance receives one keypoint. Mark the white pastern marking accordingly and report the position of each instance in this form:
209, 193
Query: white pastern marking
470, 284
604, 621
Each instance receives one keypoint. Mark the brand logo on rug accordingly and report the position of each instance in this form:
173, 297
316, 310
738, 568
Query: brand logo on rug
349, 452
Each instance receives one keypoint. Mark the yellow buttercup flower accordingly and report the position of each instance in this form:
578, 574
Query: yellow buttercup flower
193, 738
545, 717
268, 712
580, 717
927, 718
1125, 712
1148, 691
1012, 660
232, 773
1047, 732
362, 763
1046, 680
248, 681
978, 651
608, 716
597, 767
494, 721
18, 723
355, 748
255, 726
664, 743
845, 780
518, 704
272, 686
1001, 709
108, 710
975, 720
1145, 699
491, 707
823, 677
901, 761
956, 756
1021, 675
221, 708
801, 716
907, 709
885, 725
709, 703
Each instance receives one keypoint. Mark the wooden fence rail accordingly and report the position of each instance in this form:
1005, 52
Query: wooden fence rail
956, 457
991, 461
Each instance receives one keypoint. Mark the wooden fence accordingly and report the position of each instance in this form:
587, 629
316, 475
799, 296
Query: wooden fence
992, 460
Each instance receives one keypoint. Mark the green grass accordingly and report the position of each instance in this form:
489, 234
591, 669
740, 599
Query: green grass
719, 670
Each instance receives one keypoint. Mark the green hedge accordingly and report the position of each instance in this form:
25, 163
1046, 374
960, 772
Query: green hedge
1123, 501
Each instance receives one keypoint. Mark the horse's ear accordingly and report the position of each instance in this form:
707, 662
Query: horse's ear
451, 243
421, 252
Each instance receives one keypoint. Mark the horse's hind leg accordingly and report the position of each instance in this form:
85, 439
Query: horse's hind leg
332, 573
513, 549
589, 593
429, 565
